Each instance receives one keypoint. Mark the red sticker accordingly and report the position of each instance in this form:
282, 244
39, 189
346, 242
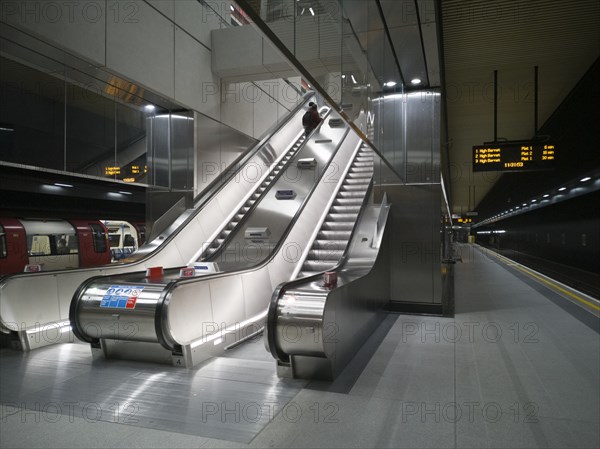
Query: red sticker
131, 302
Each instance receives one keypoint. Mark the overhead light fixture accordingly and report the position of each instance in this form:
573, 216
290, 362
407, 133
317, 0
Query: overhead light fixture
587, 178
546, 195
149, 107
354, 79
125, 193
415, 81
562, 189
524, 204
59, 184
390, 84
311, 11
534, 201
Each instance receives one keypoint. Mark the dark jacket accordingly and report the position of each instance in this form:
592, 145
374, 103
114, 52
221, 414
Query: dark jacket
315, 119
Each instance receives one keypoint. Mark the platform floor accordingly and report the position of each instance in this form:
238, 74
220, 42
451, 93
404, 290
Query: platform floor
518, 367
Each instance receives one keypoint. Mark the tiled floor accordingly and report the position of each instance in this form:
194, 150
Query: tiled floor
512, 370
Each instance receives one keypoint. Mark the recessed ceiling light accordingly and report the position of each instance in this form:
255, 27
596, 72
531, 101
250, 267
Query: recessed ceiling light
546, 195
562, 188
390, 84
587, 178
415, 81
534, 201
125, 193
524, 204
149, 107
59, 184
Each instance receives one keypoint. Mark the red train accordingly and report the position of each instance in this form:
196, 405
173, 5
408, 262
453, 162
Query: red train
52, 244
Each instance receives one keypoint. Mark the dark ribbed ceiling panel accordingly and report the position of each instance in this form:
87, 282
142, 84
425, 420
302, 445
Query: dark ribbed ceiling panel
511, 36
479, 33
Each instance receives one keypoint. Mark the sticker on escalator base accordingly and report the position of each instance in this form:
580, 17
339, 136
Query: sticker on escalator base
121, 297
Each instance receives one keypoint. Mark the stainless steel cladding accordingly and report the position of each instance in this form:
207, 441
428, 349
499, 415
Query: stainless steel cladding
300, 318
117, 311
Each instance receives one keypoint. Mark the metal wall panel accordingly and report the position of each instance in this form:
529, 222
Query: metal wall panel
182, 151
407, 133
416, 243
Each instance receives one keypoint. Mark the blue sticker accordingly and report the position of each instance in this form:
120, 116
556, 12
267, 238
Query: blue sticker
121, 296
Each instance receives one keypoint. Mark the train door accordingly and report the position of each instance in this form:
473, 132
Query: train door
13, 246
51, 244
123, 238
94, 249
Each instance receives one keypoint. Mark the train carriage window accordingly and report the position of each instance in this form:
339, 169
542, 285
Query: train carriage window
38, 245
3, 252
99, 238
128, 240
115, 240
54, 244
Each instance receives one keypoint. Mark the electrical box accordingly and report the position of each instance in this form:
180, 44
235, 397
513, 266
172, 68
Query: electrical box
285, 194
307, 162
257, 233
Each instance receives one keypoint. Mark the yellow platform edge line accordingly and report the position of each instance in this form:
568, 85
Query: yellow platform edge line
546, 281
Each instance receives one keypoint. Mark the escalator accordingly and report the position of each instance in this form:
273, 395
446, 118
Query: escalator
28, 315
334, 235
249, 205
188, 319
317, 322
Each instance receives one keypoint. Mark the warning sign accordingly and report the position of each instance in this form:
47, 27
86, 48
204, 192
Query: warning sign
121, 296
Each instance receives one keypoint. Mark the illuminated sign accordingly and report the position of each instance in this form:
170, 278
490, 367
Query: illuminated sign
135, 169
465, 220
514, 157
111, 171
128, 179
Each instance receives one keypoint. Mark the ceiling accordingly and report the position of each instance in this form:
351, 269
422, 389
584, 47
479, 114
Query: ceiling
511, 36
458, 44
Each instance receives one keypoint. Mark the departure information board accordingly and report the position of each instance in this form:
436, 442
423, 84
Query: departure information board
514, 157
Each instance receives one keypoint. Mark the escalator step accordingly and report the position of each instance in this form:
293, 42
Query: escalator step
337, 226
311, 265
361, 169
354, 188
348, 201
351, 194
326, 234
362, 181
330, 244
345, 209
326, 255
338, 217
